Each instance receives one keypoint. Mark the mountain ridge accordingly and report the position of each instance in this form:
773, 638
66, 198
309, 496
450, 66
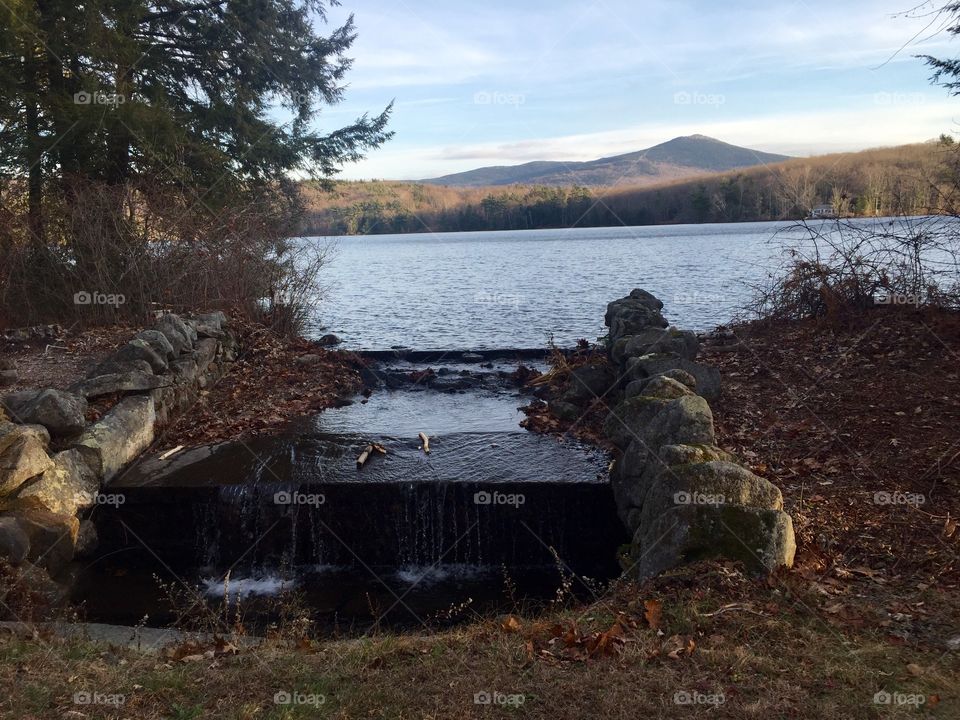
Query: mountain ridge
681, 157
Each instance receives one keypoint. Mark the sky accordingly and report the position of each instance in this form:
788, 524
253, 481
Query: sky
502, 82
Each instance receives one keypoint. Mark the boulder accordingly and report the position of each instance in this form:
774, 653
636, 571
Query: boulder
627, 421
138, 349
638, 469
645, 366
635, 387
630, 315
715, 482
205, 352
180, 335
119, 436
14, 543
564, 410
51, 536
67, 487
8, 372
62, 413
87, 540
665, 388
681, 342
762, 539
308, 359
589, 382
126, 382
159, 342
112, 366
684, 421
329, 339
23, 455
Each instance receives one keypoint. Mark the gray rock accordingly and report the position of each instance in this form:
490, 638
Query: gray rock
665, 388
14, 543
119, 436
670, 340
631, 315
589, 382
138, 349
205, 352
126, 382
328, 340
762, 539
112, 366
684, 421
471, 357
181, 336
564, 410
67, 487
87, 540
158, 341
62, 413
710, 483
8, 372
51, 536
639, 469
627, 420
308, 359
645, 366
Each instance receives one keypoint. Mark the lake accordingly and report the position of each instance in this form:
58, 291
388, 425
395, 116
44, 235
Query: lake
516, 289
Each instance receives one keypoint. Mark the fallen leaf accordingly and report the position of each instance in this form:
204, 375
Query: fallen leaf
652, 613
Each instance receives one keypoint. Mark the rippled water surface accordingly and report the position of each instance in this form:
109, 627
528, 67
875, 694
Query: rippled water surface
483, 290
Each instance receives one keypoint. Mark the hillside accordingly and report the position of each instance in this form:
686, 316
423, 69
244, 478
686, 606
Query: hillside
869, 183
681, 157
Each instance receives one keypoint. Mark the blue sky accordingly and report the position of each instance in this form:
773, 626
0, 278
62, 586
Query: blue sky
501, 83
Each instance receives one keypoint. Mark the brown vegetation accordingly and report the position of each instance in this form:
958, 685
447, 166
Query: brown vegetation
888, 181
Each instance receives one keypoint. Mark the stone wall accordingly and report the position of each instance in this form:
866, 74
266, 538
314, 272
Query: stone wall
54, 465
681, 497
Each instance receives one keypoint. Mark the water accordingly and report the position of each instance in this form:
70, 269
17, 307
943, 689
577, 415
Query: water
511, 289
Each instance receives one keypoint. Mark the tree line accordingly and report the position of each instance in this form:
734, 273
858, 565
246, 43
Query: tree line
890, 181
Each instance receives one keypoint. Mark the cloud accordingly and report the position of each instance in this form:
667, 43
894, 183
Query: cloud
882, 121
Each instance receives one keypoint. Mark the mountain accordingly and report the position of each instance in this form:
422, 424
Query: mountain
678, 158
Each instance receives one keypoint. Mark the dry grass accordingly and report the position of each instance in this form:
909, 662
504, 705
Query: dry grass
759, 645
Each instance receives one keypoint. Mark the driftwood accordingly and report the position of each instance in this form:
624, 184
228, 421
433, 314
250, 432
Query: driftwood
426, 443
371, 448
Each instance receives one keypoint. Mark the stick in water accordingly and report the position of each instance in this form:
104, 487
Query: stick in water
364, 455
426, 443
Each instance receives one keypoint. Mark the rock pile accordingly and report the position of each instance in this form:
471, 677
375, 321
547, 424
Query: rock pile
44, 492
681, 497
